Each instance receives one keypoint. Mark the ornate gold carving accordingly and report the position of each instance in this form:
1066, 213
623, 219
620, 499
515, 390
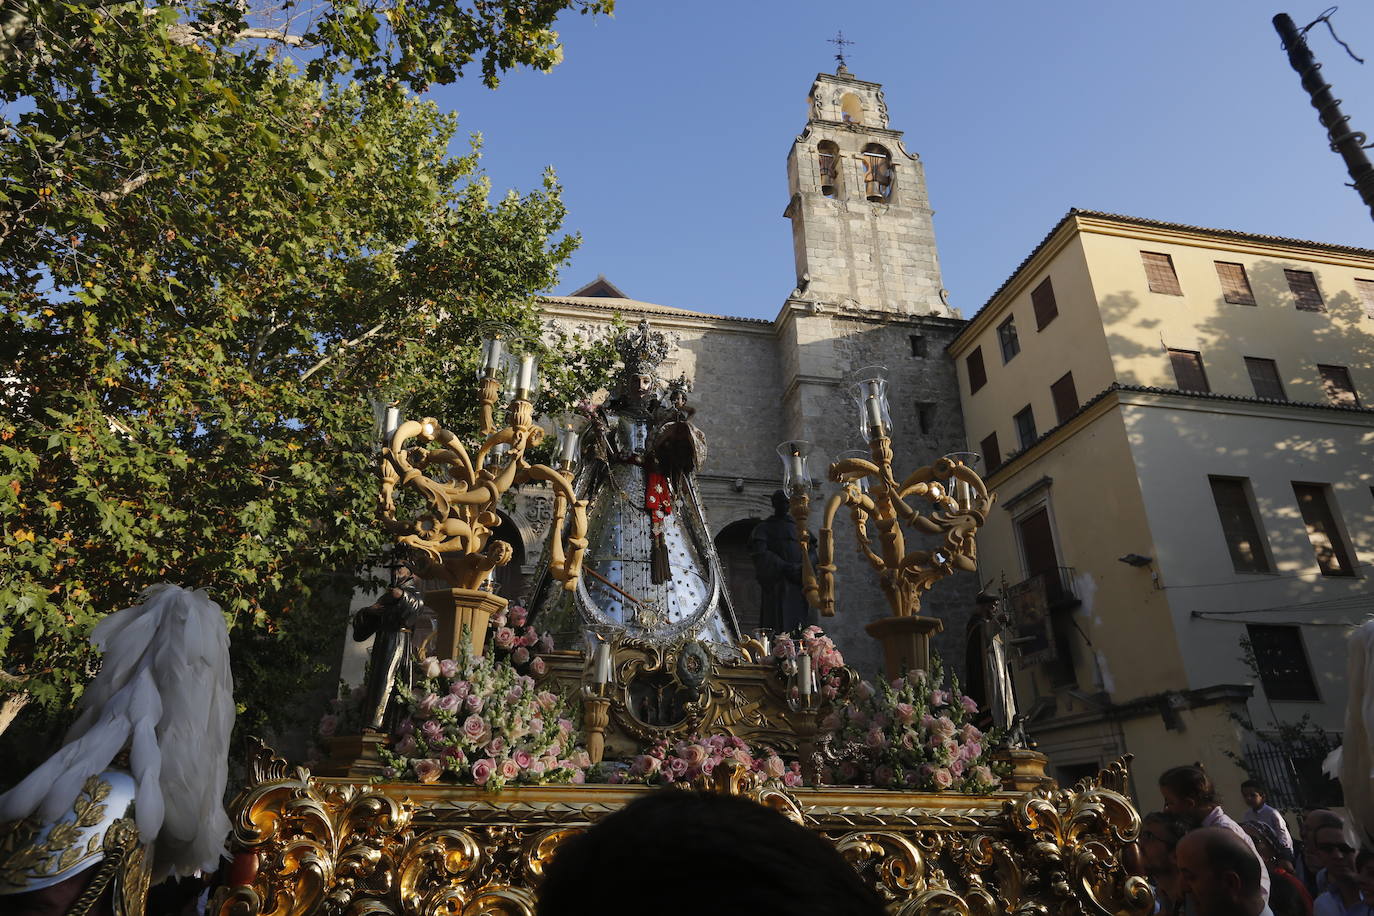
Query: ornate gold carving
414, 850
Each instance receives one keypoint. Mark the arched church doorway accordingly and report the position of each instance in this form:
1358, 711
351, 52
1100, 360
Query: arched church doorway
737, 566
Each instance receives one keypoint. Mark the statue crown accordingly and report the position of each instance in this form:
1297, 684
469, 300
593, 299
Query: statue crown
641, 349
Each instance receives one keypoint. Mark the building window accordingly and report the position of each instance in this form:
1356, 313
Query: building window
1006, 336
1025, 427
828, 164
925, 416
878, 173
1333, 556
1188, 371
1366, 291
1159, 271
1264, 376
977, 375
918, 345
1235, 285
1281, 660
1042, 300
1065, 397
1240, 525
1338, 387
991, 454
1303, 283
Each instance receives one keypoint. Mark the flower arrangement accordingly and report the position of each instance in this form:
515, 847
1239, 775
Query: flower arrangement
480, 720
511, 638
826, 660
691, 758
913, 734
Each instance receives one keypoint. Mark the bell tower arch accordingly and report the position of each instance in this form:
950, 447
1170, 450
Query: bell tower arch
861, 221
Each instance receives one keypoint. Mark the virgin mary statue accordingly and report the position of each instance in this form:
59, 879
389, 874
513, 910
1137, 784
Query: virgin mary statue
650, 570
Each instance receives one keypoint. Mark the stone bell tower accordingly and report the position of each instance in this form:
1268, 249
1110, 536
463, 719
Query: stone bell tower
861, 228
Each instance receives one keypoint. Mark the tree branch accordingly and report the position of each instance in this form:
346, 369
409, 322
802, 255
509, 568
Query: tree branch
338, 351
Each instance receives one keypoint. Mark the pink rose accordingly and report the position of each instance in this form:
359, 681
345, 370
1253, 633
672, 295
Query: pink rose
905, 713
580, 758
515, 693
509, 770
547, 700
405, 747
428, 705
645, 766
517, 616
549, 761
505, 638
428, 770
474, 703
677, 767
939, 698
708, 766
460, 689
536, 768
407, 727
474, 726
983, 775
498, 621
448, 668
521, 656
865, 690
431, 667
792, 780
537, 726
329, 724
883, 775
496, 747
942, 778
944, 727
523, 759
482, 770
450, 703
565, 726
694, 754
545, 643
578, 777
537, 666
773, 767
432, 731
956, 767
969, 703
876, 738
973, 750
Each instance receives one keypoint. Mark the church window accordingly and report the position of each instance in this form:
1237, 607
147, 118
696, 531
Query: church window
851, 109
828, 162
918, 345
878, 173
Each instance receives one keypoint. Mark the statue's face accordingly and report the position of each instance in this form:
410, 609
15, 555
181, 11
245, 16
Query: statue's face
642, 384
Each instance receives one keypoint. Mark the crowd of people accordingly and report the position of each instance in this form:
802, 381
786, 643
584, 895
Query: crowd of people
1202, 862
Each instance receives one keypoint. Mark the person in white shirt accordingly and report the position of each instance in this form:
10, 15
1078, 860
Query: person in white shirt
1220, 874
1188, 792
1257, 809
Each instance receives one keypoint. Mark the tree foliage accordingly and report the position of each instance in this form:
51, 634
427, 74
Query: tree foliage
208, 261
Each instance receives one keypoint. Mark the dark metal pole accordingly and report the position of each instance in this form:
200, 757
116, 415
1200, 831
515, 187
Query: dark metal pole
1347, 142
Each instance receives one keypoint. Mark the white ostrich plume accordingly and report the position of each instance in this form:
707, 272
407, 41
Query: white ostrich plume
164, 692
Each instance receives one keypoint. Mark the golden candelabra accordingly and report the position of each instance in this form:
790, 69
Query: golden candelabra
958, 500
461, 495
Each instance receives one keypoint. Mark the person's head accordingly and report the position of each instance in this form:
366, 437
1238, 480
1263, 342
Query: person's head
671, 850
1219, 872
1160, 832
1364, 874
1314, 819
1337, 849
1254, 794
1265, 839
781, 504
1188, 792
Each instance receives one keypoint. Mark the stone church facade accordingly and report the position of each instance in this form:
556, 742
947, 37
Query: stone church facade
866, 291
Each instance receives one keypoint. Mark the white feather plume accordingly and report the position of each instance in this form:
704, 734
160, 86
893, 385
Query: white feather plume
1356, 759
164, 692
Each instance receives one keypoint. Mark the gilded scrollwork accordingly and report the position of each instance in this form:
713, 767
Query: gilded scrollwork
329, 846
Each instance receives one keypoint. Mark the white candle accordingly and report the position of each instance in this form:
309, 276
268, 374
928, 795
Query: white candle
526, 374
795, 464
601, 663
494, 354
570, 447
875, 415
804, 673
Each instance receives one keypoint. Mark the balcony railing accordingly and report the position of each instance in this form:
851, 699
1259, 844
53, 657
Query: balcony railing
1055, 584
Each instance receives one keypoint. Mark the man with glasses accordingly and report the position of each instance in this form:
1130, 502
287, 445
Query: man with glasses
1336, 849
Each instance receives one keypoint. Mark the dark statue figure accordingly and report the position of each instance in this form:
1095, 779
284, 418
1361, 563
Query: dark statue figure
777, 557
392, 617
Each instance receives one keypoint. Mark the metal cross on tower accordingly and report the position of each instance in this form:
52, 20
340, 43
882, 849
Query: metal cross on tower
840, 42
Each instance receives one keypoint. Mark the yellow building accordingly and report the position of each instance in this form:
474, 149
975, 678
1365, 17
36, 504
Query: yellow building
1179, 424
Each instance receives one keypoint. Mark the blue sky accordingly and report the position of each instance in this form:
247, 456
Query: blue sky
670, 124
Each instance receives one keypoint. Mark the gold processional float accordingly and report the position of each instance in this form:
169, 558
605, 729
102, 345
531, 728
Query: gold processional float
657, 693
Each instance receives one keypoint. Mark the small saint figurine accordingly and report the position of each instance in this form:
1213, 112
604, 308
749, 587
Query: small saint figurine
392, 618
777, 557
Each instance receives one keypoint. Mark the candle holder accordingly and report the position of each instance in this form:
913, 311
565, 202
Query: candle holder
874, 495
452, 534
596, 700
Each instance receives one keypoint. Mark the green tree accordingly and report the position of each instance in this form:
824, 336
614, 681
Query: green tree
208, 261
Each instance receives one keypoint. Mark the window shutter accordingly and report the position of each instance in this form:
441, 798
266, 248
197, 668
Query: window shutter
991, 454
1046, 309
1065, 397
1332, 556
1303, 283
1264, 376
1366, 290
977, 375
1159, 271
1188, 371
1238, 523
1235, 285
1338, 387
